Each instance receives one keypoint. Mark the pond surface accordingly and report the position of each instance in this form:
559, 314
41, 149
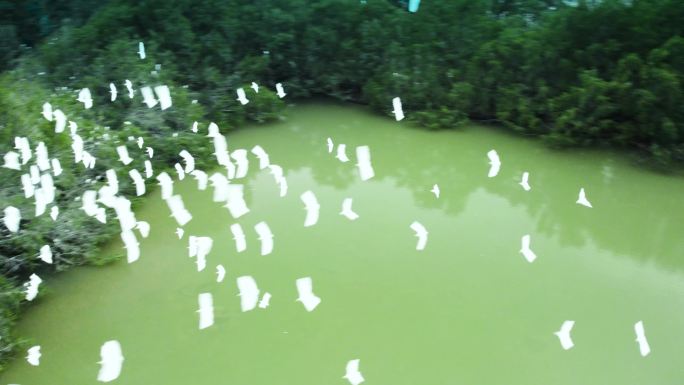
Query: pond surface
469, 309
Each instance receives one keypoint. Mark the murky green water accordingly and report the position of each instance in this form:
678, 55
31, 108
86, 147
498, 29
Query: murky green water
469, 309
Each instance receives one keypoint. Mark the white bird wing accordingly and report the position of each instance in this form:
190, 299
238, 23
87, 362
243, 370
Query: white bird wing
306, 295
123, 155
312, 208
112, 91
421, 233
363, 159
202, 179
265, 300
60, 121
397, 109
129, 87
45, 254
206, 310
12, 218
220, 273
582, 199
280, 90
47, 111
341, 153
242, 97
644, 347
347, 209
141, 50
33, 355
261, 154
249, 292
180, 171
564, 335
240, 156
239, 237
495, 163
138, 181
32, 287
148, 96
265, 236
189, 161
131, 244
164, 95
111, 361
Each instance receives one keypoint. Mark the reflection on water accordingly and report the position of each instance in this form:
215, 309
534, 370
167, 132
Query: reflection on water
468, 309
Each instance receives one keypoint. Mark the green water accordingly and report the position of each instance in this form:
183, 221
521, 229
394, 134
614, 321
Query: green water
469, 309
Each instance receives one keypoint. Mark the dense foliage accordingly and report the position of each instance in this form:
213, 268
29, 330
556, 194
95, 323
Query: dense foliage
595, 73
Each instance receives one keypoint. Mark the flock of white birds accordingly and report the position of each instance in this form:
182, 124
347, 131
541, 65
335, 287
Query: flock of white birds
38, 184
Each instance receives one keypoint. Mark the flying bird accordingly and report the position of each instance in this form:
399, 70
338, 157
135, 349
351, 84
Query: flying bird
54, 212
166, 184
111, 361
352, 373
56, 166
331, 145
85, 98
140, 142
194, 127
32, 287
123, 155
131, 245
178, 211
524, 182
644, 348
261, 154
189, 161
242, 97
249, 292
129, 87
582, 199
201, 178
494, 162
12, 218
435, 190
341, 153
179, 232
265, 236
143, 227
148, 169
60, 121
12, 161
180, 171
265, 300
312, 208
220, 273
306, 295
564, 334
255, 87
164, 96
112, 92
47, 111
150, 152
148, 96
33, 355
206, 310
347, 210
241, 161
363, 159
525, 249
421, 233
141, 50
239, 237
280, 91
138, 181
45, 254
398, 111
